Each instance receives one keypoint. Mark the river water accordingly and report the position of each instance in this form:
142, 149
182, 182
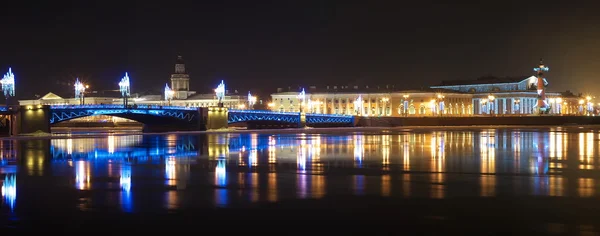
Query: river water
131, 173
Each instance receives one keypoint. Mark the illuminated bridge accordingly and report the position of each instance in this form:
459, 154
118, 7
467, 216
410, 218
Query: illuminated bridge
171, 118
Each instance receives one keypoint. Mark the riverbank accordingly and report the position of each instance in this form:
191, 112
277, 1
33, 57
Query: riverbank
476, 120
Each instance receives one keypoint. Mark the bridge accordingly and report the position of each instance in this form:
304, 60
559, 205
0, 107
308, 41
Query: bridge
29, 119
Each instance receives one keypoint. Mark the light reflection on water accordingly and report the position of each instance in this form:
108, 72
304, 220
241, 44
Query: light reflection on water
173, 171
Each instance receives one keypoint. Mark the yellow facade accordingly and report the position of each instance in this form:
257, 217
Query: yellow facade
397, 104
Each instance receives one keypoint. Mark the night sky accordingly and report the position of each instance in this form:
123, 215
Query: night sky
265, 45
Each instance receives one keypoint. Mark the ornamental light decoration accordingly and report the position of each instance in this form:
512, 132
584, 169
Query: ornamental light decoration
220, 91
8, 84
251, 100
168, 93
79, 88
124, 85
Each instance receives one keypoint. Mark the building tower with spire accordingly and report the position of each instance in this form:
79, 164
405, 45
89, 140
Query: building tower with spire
180, 80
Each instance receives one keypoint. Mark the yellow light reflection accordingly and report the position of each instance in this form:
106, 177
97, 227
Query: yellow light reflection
317, 186
585, 187
385, 185
82, 175
171, 171
111, 144
272, 185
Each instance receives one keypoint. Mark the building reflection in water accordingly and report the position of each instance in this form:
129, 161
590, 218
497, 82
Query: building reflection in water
9, 190
419, 163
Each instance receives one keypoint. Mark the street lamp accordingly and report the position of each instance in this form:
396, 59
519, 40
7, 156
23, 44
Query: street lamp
271, 105
559, 102
8, 84
251, 101
516, 108
358, 105
405, 104
220, 93
441, 97
491, 104
383, 110
124, 88
80, 91
169, 93
302, 98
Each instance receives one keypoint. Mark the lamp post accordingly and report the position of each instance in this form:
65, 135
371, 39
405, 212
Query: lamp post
8, 85
484, 106
251, 101
124, 88
492, 109
440, 98
80, 91
220, 93
405, 104
559, 102
358, 105
383, 110
169, 93
302, 98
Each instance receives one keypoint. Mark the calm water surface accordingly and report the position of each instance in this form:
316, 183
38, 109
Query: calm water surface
138, 173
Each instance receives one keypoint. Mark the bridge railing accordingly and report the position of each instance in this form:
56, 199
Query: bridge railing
112, 106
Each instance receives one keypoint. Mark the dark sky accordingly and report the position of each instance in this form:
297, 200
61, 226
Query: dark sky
254, 44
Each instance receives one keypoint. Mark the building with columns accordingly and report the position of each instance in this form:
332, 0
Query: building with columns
508, 96
483, 96
375, 103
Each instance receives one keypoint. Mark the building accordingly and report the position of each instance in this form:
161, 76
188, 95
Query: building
483, 96
511, 95
180, 85
371, 102
180, 81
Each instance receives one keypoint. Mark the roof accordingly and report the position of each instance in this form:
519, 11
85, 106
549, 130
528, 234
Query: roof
50, 96
485, 80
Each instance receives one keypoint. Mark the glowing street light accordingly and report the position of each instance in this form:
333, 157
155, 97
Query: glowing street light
80, 91
8, 84
358, 105
302, 96
168, 94
251, 100
124, 88
220, 92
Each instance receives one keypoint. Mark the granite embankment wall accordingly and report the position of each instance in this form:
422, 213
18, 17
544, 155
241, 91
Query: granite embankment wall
472, 121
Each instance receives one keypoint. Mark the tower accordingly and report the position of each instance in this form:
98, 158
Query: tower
542, 106
180, 80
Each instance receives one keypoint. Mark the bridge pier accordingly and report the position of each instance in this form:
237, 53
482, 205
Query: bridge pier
302, 120
31, 119
217, 118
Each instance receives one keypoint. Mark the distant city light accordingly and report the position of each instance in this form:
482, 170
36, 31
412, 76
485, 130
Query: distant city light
8, 84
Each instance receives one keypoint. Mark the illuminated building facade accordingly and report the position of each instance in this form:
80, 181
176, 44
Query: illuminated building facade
507, 96
483, 96
400, 103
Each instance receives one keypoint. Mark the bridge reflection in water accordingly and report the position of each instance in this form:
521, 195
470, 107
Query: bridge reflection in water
229, 169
